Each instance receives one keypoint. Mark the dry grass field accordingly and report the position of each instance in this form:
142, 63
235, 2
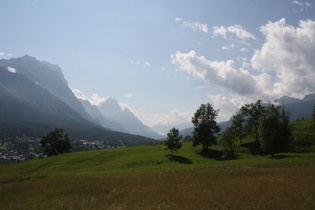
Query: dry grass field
251, 187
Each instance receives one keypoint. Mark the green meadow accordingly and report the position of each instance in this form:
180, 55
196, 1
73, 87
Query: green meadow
147, 177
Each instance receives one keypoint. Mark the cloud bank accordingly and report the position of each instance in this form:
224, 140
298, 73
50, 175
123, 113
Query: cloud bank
289, 52
222, 73
285, 65
173, 117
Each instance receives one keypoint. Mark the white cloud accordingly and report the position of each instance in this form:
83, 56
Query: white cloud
246, 64
147, 63
178, 19
201, 87
241, 58
173, 117
228, 47
298, 3
285, 61
221, 73
128, 95
289, 52
79, 94
228, 106
11, 69
124, 106
94, 100
196, 26
243, 50
134, 62
237, 30
5, 54
304, 5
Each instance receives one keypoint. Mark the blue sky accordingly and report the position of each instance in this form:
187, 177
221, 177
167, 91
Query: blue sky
162, 59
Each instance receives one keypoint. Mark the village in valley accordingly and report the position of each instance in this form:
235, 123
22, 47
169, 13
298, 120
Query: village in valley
20, 150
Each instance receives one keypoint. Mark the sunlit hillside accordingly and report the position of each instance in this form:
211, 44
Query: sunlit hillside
145, 177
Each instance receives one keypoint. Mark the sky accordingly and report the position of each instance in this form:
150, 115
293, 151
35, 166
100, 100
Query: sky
163, 58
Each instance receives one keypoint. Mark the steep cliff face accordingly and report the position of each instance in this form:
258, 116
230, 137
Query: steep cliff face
48, 76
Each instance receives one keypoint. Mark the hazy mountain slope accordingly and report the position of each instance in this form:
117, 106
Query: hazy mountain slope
48, 76
22, 100
95, 113
27, 109
111, 110
298, 108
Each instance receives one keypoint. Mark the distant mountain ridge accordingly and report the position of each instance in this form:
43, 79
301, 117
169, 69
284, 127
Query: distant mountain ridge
96, 114
50, 77
111, 115
46, 79
29, 110
298, 108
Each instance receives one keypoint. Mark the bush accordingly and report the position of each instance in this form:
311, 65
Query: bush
227, 144
304, 140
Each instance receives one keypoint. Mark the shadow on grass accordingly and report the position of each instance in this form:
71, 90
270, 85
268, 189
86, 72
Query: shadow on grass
282, 156
179, 159
253, 147
211, 154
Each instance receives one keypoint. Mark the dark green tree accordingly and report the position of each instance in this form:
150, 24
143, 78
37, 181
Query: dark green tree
56, 142
187, 138
238, 127
227, 143
206, 126
252, 112
274, 131
172, 143
313, 114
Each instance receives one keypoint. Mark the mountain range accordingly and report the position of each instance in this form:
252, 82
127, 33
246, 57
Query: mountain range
298, 108
110, 115
35, 98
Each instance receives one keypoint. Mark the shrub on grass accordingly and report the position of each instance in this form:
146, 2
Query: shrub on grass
227, 144
274, 131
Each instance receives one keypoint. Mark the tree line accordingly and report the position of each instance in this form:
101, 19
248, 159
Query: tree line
269, 125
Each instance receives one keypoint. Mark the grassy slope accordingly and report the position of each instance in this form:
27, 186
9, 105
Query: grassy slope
131, 178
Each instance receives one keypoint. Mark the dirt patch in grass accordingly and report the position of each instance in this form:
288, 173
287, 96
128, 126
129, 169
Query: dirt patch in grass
4, 165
